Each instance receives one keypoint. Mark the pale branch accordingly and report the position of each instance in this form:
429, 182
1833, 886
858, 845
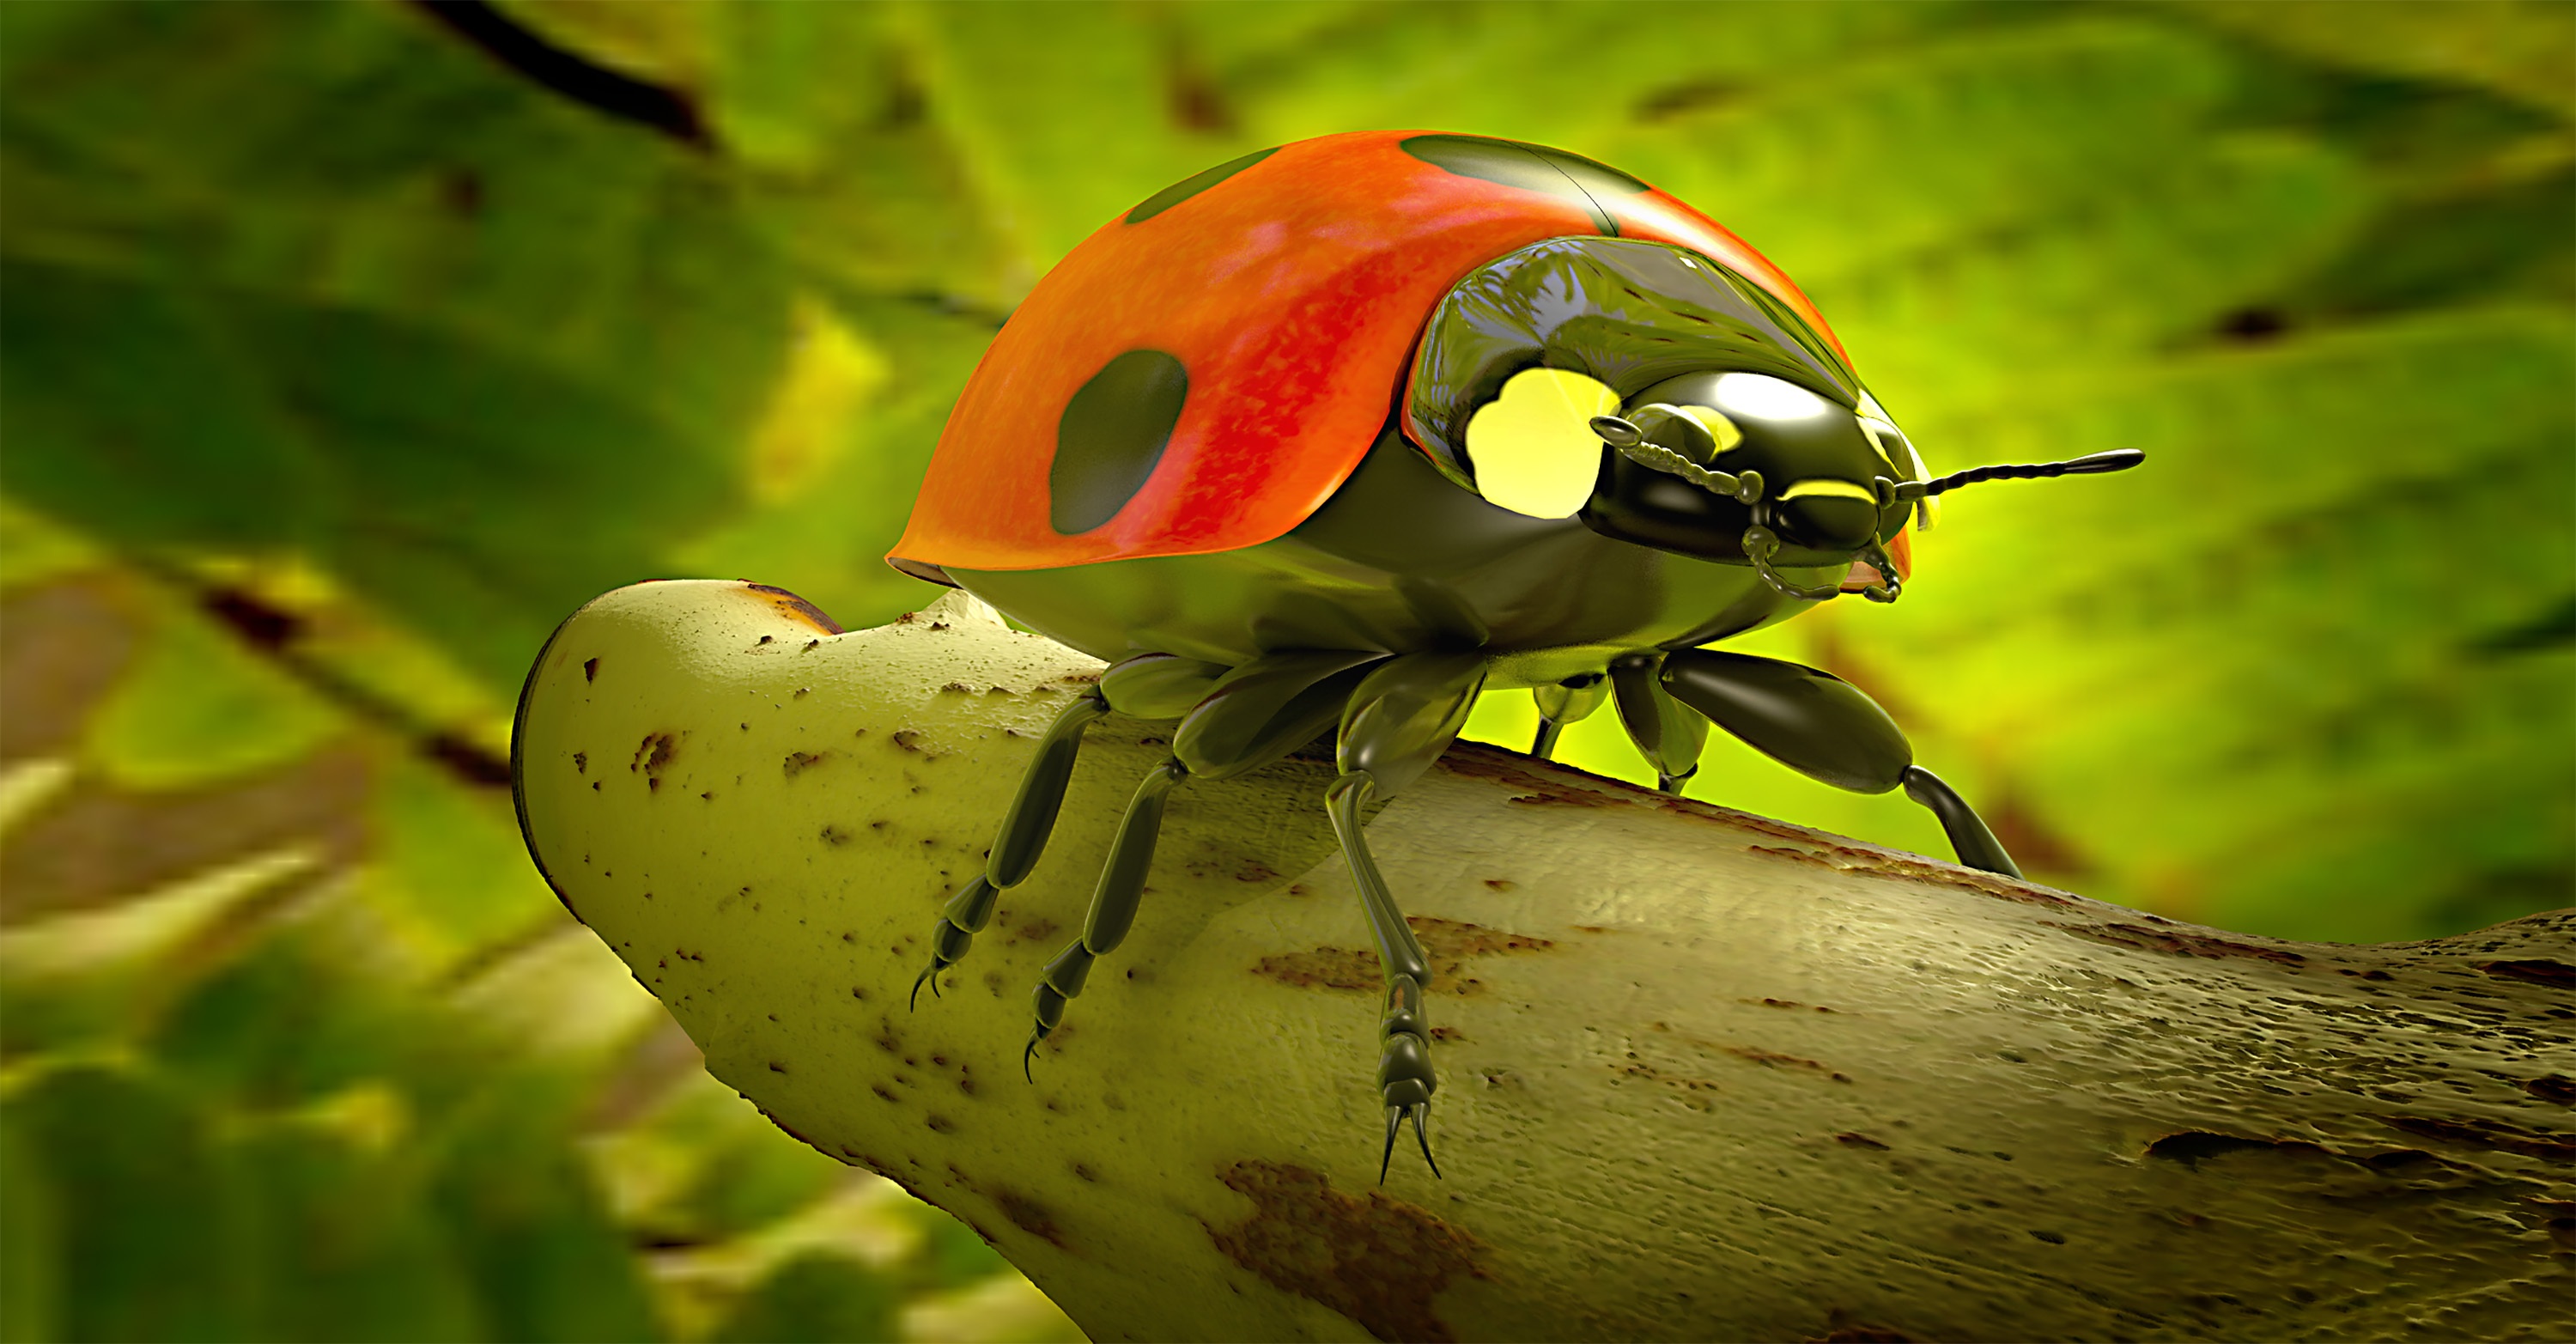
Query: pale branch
1704, 1076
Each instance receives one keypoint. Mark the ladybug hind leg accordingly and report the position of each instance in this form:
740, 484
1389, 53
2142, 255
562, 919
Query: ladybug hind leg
1398, 721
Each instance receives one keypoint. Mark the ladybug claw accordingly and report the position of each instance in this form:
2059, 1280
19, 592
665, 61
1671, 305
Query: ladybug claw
929, 974
1395, 1118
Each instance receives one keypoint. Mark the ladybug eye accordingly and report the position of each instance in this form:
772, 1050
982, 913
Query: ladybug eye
1906, 464
1724, 432
1532, 448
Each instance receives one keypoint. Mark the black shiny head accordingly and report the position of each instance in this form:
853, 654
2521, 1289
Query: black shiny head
1747, 468
1752, 463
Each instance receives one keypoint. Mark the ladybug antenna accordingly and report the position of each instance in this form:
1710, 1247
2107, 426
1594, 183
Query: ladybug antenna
2118, 459
1744, 487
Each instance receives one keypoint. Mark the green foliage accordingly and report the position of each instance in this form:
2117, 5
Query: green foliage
816, 1295
340, 360
201, 707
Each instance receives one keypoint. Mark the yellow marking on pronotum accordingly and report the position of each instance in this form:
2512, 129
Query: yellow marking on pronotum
1532, 447
1878, 432
1825, 485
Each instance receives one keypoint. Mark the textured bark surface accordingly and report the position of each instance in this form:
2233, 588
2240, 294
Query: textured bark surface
1703, 1076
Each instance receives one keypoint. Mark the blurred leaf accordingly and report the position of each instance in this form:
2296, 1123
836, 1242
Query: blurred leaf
2499, 244
75, 978
1504, 68
354, 1250
666, 42
33, 549
831, 378
313, 1009
2071, 295
828, 543
115, 387
718, 1168
158, 1219
2526, 48
952, 1254
1864, 162
548, 1262
815, 1296
454, 873
196, 708
1055, 147
359, 157
485, 498
26, 786
1004, 1309
562, 1001
31, 1268
2311, 619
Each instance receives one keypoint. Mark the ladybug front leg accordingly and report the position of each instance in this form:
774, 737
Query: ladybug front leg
1668, 734
1023, 837
1823, 727
1400, 719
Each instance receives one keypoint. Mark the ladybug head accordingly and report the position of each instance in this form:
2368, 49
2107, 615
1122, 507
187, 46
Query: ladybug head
1732, 466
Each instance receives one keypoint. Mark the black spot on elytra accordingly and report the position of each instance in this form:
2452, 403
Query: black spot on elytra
1514, 163
1192, 185
1113, 433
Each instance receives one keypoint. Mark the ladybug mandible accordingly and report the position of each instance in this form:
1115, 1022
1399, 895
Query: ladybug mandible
1348, 432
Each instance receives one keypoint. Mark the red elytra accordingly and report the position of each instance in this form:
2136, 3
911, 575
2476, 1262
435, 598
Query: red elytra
1292, 292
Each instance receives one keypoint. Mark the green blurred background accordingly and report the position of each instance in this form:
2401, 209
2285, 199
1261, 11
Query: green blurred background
346, 349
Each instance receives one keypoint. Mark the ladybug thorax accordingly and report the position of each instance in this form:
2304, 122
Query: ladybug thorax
1734, 425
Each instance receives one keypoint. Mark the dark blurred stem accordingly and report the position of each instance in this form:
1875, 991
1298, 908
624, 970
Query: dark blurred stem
593, 86
277, 634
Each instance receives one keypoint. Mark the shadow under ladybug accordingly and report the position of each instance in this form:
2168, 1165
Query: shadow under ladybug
1617, 434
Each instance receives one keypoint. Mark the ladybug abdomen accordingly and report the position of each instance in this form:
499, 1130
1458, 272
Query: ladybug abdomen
1203, 373
1398, 560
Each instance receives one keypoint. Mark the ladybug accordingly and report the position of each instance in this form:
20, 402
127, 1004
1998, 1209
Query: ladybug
1340, 435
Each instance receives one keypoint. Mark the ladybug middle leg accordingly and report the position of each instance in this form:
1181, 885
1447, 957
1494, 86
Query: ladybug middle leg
1242, 720
1400, 719
1822, 726
1669, 735
1569, 701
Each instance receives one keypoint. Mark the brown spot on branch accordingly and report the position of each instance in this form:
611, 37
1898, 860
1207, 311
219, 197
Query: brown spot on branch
1030, 1216
1379, 1261
2535, 971
1448, 944
2177, 942
796, 608
2494, 1134
653, 755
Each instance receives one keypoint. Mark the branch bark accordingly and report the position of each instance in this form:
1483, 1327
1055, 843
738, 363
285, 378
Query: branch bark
1704, 1075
